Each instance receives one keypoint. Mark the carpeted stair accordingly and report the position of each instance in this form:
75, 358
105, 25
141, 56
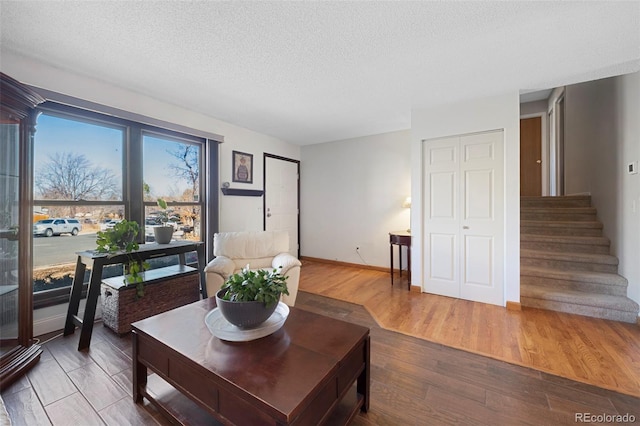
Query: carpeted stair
565, 263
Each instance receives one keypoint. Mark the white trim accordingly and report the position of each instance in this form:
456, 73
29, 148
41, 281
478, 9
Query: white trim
52, 318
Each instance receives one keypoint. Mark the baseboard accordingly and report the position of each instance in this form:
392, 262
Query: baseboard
513, 306
55, 317
339, 263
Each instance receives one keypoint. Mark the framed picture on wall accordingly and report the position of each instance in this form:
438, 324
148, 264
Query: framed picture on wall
242, 167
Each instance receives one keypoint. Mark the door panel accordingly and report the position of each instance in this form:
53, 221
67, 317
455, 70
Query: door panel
478, 194
478, 260
281, 199
443, 195
443, 258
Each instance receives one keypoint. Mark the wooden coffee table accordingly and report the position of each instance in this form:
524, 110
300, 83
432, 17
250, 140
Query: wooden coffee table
314, 370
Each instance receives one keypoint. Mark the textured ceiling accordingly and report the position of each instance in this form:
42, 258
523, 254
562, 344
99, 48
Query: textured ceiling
310, 72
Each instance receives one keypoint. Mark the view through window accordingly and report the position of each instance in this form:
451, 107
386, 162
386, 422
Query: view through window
85, 182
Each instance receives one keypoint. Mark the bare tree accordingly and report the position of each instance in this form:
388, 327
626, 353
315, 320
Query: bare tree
188, 167
69, 176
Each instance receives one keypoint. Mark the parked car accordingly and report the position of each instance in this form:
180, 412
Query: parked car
57, 226
108, 224
113, 222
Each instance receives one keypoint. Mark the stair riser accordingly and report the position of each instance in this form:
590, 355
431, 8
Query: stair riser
557, 216
590, 311
555, 202
565, 247
568, 265
566, 231
612, 290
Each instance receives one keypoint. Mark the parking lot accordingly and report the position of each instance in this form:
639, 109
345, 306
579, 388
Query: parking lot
48, 251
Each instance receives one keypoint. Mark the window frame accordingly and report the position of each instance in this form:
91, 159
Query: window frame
132, 178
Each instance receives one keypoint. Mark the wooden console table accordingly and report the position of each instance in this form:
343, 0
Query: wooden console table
98, 261
401, 238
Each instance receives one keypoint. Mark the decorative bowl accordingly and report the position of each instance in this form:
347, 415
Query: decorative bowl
224, 330
244, 314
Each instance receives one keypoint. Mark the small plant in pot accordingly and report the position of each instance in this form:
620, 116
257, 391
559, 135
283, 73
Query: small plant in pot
163, 233
247, 299
122, 238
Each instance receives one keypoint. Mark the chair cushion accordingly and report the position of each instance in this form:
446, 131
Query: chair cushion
250, 244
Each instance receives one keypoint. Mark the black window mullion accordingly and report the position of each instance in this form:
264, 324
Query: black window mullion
134, 178
209, 187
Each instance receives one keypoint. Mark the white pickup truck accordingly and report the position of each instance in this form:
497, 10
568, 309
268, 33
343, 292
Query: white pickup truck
57, 226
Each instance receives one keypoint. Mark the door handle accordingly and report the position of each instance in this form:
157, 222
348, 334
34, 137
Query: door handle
268, 214
539, 161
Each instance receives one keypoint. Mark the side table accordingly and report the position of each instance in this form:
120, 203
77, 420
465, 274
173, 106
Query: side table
401, 238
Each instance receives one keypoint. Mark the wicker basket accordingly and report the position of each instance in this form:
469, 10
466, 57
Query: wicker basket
165, 289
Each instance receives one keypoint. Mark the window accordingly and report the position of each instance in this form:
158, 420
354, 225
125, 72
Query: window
172, 172
93, 170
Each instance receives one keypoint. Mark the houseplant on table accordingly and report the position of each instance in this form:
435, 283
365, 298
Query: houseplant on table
248, 298
122, 239
163, 232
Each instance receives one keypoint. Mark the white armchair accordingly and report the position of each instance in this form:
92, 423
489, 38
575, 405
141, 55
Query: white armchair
259, 250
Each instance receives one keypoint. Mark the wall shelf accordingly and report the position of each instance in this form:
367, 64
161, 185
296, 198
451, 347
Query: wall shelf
243, 192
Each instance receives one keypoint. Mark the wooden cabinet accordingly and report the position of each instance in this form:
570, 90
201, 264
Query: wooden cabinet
18, 352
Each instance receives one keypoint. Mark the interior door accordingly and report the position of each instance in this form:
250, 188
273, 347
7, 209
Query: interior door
463, 223
281, 198
531, 156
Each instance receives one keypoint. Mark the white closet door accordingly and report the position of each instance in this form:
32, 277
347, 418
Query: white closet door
442, 220
463, 223
482, 230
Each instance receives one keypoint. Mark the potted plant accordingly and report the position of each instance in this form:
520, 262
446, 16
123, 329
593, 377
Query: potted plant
247, 299
164, 232
122, 238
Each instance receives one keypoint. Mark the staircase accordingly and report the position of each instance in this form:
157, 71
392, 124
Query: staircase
565, 263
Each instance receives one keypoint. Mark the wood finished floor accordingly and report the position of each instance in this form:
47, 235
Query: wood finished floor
413, 382
589, 350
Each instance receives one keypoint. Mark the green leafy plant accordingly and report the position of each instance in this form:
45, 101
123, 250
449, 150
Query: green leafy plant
261, 285
163, 214
122, 238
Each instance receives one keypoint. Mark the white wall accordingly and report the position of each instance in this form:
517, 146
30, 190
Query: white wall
499, 112
236, 213
352, 194
602, 137
239, 213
